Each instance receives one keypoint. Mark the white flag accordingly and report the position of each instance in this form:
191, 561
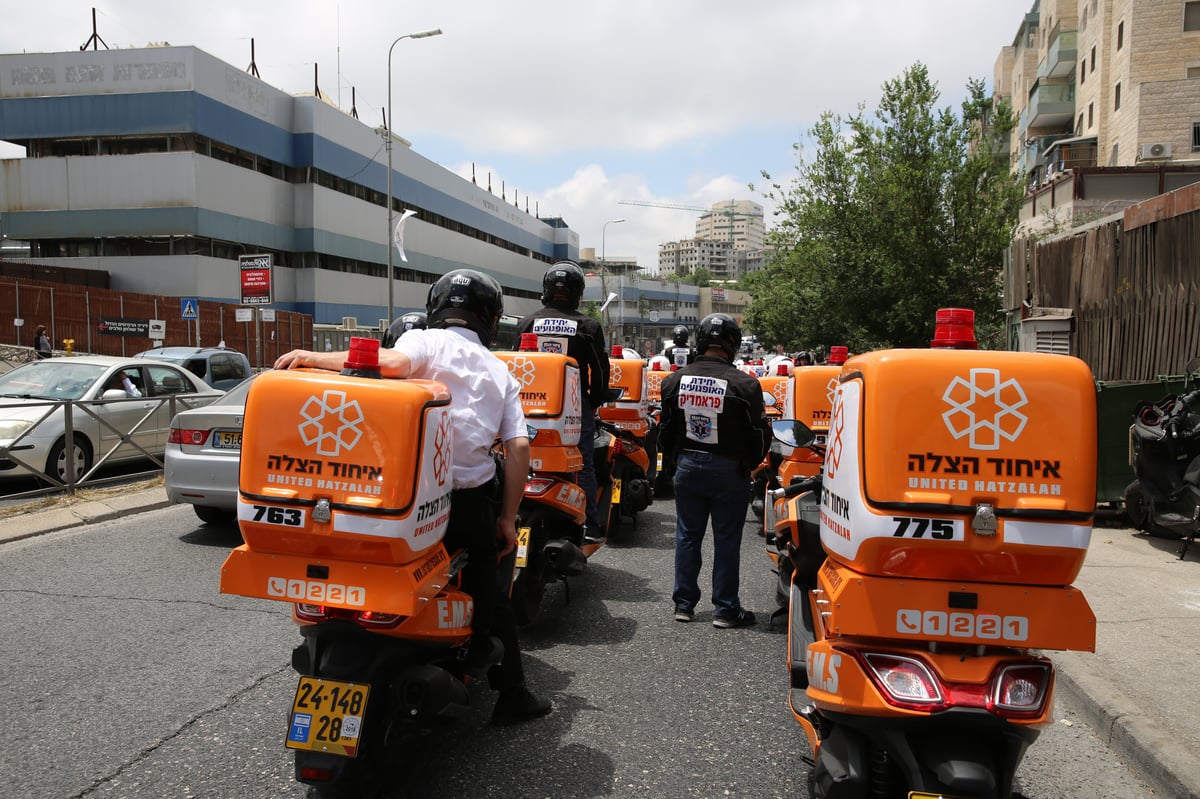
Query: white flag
398, 233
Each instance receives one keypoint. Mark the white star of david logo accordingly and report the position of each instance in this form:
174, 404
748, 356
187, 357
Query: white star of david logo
331, 423
441, 442
831, 390
837, 426
614, 374
779, 390
523, 370
971, 402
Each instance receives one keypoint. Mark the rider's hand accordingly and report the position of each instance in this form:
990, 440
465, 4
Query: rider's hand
292, 360
506, 536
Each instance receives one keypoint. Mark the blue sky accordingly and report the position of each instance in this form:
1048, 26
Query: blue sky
578, 105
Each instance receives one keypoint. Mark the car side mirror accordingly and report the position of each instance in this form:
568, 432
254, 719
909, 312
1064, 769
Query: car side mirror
114, 393
792, 433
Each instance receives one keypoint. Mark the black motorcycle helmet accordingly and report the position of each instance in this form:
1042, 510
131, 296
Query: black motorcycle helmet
416, 320
563, 284
680, 335
719, 330
466, 298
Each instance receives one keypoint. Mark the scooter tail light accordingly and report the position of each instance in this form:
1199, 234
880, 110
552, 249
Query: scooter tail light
905, 682
311, 612
1021, 688
383, 621
617, 446
310, 774
536, 486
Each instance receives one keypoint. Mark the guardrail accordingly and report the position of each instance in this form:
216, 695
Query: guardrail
76, 415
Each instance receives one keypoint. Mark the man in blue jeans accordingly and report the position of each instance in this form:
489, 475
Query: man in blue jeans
714, 422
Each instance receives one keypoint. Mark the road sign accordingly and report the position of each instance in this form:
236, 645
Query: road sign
158, 329
189, 308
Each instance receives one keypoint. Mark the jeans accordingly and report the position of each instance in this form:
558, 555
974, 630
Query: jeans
709, 486
587, 475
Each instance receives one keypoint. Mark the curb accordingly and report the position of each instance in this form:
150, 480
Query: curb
28, 525
1168, 765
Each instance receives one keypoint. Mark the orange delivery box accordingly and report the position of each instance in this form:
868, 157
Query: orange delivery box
553, 406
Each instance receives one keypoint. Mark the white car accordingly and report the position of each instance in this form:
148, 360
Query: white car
119, 410
204, 448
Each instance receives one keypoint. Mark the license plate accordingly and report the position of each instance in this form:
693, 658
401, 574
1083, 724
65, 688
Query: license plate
616, 493
522, 547
227, 440
923, 795
660, 461
327, 716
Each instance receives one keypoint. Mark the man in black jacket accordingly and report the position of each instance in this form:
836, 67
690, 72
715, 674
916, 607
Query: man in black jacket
561, 327
714, 422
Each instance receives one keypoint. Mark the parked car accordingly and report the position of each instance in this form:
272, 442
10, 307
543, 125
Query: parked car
111, 398
219, 367
204, 448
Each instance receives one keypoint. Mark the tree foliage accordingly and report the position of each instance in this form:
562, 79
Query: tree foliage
894, 216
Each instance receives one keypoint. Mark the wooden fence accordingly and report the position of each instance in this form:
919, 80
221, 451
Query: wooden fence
1132, 284
77, 313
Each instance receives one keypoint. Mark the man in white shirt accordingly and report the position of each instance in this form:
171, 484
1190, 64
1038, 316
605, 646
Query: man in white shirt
464, 308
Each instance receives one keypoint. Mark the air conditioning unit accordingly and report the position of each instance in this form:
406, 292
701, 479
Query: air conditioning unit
349, 323
383, 325
1160, 149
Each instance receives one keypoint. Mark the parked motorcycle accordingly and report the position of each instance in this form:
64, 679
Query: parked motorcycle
954, 511
344, 497
550, 529
1164, 500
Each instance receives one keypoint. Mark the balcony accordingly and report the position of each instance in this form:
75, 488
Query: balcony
1060, 57
1050, 104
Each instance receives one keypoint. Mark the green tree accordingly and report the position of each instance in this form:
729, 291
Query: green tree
894, 216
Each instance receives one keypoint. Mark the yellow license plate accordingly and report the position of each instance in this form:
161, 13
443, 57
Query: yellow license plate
660, 461
522, 547
616, 493
225, 439
327, 716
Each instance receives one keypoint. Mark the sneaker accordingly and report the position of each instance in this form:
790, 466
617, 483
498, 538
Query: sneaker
593, 536
684, 614
743, 618
516, 705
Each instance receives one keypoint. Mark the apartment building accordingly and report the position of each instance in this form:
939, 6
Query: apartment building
1107, 99
737, 221
729, 242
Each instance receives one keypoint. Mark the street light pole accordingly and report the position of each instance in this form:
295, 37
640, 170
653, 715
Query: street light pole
388, 145
604, 271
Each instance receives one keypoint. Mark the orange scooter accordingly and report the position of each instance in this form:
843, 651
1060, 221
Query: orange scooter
344, 496
632, 466
955, 510
550, 542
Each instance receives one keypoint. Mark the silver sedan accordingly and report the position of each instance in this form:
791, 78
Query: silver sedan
204, 448
116, 409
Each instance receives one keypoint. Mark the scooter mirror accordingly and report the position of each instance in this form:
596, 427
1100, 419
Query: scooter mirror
613, 394
768, 399
530, 432
792, 432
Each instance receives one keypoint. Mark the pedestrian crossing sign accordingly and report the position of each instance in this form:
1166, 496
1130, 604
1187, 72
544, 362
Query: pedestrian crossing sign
189, 308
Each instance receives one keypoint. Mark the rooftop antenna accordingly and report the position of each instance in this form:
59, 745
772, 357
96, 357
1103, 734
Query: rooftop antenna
353, 104
473, 183
253, 68
95, 36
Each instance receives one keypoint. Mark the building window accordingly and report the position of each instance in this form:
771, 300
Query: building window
1117, 98
1113, 160
1193, 72
1120, 35
1196, 137
1079, 125
1191, 16
1093, 62
1083, 70
1090, 117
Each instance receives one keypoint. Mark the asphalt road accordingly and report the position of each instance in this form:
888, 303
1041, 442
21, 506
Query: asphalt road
124, 673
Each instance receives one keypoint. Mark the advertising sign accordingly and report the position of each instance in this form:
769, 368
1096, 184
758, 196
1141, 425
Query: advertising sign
124, 327
256, 279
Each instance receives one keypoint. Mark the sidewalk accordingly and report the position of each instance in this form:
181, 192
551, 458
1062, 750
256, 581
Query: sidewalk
1135, 689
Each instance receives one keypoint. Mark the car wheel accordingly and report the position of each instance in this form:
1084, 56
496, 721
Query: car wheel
69, 468
214, 516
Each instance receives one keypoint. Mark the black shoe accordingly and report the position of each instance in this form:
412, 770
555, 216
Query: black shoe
516, 705
684, 614
484, 652
593, 536
743, 618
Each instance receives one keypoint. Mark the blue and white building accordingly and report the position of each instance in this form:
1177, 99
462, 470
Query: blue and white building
163, 165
